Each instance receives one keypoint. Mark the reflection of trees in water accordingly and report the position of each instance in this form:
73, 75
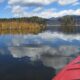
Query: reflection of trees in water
16, 27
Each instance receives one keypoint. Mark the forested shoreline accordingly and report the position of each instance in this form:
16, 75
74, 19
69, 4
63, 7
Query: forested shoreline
31, 25
34, 25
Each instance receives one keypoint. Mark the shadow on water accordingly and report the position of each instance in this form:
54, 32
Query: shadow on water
23, 69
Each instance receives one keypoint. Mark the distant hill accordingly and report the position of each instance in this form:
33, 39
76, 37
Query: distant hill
54, 24
25, 19
58, 19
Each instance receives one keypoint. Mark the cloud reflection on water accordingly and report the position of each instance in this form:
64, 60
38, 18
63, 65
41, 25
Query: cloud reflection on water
42, 46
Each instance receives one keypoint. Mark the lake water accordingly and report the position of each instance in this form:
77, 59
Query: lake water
46, 46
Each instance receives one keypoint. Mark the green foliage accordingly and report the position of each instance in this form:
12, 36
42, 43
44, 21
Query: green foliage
68, 24
26, 19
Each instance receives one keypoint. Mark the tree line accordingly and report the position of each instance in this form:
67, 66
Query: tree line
70, 24
31, 25
35, 25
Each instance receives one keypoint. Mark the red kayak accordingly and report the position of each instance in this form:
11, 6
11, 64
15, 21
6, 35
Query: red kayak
70, 72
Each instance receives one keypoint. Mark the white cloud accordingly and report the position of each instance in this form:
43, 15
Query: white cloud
66, 2
30, 2
49, 14
19, 11
45, 13
37, 9
40, 2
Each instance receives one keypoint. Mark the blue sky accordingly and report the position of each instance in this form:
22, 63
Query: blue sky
40, 8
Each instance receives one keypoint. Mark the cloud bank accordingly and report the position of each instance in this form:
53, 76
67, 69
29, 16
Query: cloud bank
40, 2
20, 12
28, 8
